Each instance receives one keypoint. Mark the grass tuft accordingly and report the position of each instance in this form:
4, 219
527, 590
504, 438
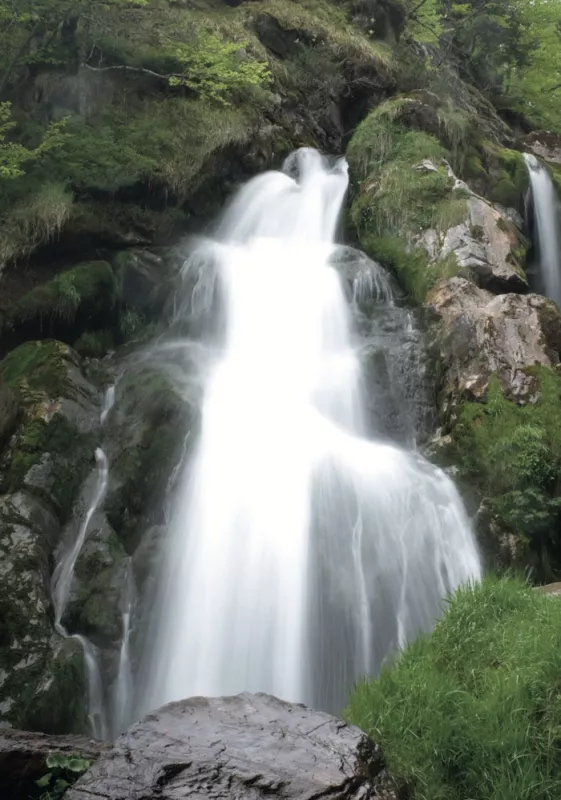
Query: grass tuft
474, 711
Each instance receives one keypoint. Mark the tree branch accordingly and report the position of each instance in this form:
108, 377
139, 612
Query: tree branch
132, 69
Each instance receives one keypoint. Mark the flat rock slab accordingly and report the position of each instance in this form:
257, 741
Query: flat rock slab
238, 748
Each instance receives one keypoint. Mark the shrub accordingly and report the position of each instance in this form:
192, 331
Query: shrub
512, 454
474, 711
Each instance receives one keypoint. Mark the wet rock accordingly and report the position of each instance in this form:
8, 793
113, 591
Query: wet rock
23, 758
52, 448
481, 334
239, 748
62, 307
8, 412
41, 677
94, 604
544, 144
147, 431
145, 279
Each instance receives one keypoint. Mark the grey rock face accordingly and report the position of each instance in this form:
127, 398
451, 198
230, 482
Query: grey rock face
482, 333
8, 412
239, 748
486, 244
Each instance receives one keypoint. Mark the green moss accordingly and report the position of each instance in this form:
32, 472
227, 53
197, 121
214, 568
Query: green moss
85, 290
512, 454
473, 711
37, 366
395, 200
508, 175
94, 344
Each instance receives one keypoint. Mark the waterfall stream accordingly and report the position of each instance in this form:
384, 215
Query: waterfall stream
61, 586
547, 216
301, 553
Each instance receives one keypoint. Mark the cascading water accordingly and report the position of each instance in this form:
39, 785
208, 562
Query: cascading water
63, 577
547, 217
300, 554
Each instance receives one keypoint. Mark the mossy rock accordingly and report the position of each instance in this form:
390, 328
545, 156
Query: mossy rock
508, 179
147, 433
401, 187
511, 455
59, 702
42, 686
94, 606
76, 299
52, 449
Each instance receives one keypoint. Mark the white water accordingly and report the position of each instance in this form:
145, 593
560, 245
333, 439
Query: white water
547, 215
123, 688
301, 555
61, 586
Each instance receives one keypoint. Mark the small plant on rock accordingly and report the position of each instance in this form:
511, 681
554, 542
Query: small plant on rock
64, 771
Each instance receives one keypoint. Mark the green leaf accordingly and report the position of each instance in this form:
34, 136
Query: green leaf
44, 781
56, 760
78, 765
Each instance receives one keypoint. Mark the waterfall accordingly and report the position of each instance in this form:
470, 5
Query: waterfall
301, 554
63, 576
547, 218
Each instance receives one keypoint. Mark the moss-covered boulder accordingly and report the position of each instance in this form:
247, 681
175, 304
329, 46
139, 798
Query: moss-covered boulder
42, 678
149, 431
77, 299
413, 214
95, 603
52, 448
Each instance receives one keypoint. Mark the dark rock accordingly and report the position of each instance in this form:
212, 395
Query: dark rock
8, 412
238, 748
23, 758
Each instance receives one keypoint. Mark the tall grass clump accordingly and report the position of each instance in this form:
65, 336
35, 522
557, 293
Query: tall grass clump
473, 712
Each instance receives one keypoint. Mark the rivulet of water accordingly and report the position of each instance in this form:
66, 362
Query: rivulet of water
301, 554
547, 217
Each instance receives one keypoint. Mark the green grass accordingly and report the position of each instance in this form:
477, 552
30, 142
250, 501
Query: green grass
473, 712
512, 453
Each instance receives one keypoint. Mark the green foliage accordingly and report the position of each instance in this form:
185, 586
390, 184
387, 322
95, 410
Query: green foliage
14, 155
216, 69
35, 220
89, 289
396, 198
512, 454
474, 711
64, 771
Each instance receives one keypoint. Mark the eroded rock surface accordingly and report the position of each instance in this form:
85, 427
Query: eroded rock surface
482, 334
239, 748
23, 758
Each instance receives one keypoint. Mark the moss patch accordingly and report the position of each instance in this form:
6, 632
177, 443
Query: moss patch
396, 198
512, 455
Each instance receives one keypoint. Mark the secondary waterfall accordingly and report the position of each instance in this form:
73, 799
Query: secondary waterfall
301, 555
547, 216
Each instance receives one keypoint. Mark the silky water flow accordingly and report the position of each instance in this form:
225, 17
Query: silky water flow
547, 218
300, 554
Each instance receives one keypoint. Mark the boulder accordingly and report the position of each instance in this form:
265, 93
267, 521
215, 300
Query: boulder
486, 245
481, 334
544, 144
238, 748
